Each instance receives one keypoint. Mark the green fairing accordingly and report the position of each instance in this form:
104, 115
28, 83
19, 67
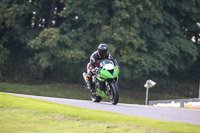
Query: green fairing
102, 93
105, 74
100, 78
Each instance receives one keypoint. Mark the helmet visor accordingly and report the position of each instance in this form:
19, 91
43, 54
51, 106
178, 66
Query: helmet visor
103, 53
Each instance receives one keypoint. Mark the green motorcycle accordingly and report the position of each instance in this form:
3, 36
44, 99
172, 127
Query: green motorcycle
104, 82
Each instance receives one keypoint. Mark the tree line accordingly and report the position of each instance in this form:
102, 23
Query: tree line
53, 40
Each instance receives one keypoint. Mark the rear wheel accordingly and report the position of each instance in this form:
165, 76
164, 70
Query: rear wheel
114, 95
94, 97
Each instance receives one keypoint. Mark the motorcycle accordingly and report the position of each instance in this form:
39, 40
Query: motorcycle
104, 82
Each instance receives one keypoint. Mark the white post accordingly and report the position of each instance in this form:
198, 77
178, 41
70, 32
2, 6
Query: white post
147, 93
148, 84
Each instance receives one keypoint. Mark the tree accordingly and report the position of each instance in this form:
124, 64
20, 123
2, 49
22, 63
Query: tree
144, 36
53, 48
4, 53
149, 37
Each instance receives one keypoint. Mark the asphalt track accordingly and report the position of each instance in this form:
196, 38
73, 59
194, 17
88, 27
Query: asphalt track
191, 116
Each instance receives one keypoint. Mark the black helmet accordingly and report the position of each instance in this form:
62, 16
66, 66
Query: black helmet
103, 50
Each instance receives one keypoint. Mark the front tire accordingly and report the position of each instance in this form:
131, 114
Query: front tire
114, 94
95, 98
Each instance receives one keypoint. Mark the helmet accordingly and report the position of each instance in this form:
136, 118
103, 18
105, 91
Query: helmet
103, 50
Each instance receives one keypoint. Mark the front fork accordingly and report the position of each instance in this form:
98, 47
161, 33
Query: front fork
108, 88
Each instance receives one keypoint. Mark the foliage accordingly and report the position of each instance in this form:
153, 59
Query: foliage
148, 38
4, 55
53, 48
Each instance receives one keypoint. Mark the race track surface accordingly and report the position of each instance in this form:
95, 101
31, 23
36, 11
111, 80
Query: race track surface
191, 116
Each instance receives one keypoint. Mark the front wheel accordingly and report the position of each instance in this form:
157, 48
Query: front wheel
94, 97
114, 94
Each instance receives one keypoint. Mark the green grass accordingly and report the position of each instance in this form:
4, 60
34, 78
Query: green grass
19, 114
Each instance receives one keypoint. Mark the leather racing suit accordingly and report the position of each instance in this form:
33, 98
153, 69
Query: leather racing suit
95, 61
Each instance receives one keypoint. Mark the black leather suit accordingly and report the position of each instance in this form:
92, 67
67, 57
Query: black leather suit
95, 61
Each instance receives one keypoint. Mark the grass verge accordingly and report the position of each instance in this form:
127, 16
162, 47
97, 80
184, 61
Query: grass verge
19, 114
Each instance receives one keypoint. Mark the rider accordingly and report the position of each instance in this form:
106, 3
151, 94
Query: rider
95, 60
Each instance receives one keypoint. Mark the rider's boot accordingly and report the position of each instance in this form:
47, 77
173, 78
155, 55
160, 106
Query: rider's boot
88, 79
89, 82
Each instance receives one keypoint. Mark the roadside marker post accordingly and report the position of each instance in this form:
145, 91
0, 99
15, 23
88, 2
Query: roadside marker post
148, 84
147, 95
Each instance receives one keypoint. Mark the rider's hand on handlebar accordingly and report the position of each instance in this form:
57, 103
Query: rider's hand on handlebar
93, 71
96, 70
118, 67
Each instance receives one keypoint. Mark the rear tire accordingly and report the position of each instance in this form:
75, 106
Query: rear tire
95, 98
114, 94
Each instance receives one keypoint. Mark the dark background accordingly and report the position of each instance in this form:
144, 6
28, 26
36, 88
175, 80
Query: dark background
51, 41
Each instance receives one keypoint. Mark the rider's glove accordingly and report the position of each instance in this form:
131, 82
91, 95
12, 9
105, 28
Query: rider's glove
118, 67
89, 74
96, 70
